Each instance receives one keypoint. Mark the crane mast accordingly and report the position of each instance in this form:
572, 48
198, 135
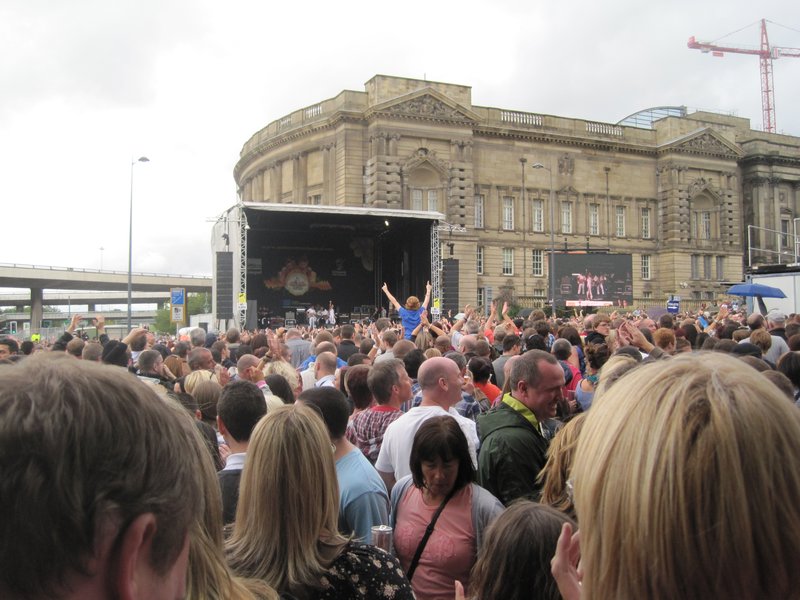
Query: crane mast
766, 54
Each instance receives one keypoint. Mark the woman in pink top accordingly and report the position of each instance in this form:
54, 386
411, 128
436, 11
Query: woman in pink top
440, 489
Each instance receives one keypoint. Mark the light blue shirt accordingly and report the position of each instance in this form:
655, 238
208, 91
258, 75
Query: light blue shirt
363, 501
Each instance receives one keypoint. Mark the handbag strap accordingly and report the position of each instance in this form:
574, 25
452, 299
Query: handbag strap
428, 531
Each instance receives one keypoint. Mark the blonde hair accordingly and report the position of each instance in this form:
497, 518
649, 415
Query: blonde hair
556, 471
614, 368
281, 367
682, 488
286, 528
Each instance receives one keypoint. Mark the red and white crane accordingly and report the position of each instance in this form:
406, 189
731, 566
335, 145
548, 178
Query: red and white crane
766, 55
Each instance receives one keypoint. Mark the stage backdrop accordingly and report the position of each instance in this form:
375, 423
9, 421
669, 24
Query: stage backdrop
587, 279
286, 274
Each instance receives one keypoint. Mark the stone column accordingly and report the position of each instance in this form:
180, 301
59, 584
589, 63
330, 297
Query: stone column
276, 182
36, 309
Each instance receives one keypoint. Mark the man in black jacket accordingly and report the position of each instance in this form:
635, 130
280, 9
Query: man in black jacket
240, 407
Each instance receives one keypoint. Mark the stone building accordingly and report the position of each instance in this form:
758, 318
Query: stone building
677, 193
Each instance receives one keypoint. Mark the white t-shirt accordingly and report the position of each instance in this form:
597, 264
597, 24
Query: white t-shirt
399, 436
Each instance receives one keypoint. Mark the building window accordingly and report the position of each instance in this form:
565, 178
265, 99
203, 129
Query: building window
537, 262
479, 260
646, 223
508, 213
707, 267
433, 200
508, 261
705, 226
709, 295
720, 268
538, 215
695, 266
566, 217
538, 292
695, 295
646, 295
481, 299
315, 199
645, 266
620, 221
479, 206
784, 233
594, 219
416, 199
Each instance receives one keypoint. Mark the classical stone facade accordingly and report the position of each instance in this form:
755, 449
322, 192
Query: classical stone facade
678, 196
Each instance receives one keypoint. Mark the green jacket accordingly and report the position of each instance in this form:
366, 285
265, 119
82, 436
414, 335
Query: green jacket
512, 452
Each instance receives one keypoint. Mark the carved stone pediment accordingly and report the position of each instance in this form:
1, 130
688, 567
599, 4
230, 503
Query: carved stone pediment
425, 104
706, 141
428, 157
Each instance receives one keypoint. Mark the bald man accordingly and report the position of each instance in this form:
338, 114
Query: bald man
440, 381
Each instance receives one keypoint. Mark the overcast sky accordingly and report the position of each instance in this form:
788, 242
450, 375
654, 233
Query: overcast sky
86, 85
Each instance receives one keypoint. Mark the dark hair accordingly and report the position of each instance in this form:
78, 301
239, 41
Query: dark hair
481, 369
259, 340
412, 362
511, 340
348, 331
357, 358
793, 342
241, 405
357, 387
789, 365
441, 437
332, 405
188, 402
514, 562
138, 343
13, 347
535, 342
280, 387
365, 346
25, 347
666, 321
571, 334
181, 349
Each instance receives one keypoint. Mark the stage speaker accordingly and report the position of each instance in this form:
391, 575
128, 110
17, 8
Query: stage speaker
450, 300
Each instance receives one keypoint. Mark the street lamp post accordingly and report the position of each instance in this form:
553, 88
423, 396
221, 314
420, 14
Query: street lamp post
552, 240
522, 162
142, 159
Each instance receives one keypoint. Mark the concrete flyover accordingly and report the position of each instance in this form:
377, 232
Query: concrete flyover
39, 278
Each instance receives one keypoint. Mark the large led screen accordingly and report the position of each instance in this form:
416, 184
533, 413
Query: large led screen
586, 279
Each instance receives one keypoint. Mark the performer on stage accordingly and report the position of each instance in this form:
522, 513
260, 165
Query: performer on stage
311, 315
331, 314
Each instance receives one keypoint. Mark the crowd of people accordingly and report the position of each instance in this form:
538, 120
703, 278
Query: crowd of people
597, 456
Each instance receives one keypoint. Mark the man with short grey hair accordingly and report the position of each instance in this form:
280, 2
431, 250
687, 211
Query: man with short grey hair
512, 436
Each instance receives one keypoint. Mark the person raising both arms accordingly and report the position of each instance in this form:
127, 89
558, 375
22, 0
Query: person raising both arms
410, 314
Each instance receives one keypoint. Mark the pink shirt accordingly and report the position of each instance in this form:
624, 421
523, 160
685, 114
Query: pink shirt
451, 549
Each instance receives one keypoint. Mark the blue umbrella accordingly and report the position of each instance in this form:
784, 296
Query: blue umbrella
756, 289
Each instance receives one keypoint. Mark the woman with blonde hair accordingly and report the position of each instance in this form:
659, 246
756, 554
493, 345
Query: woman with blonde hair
285, 531
554, 476
685, 487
